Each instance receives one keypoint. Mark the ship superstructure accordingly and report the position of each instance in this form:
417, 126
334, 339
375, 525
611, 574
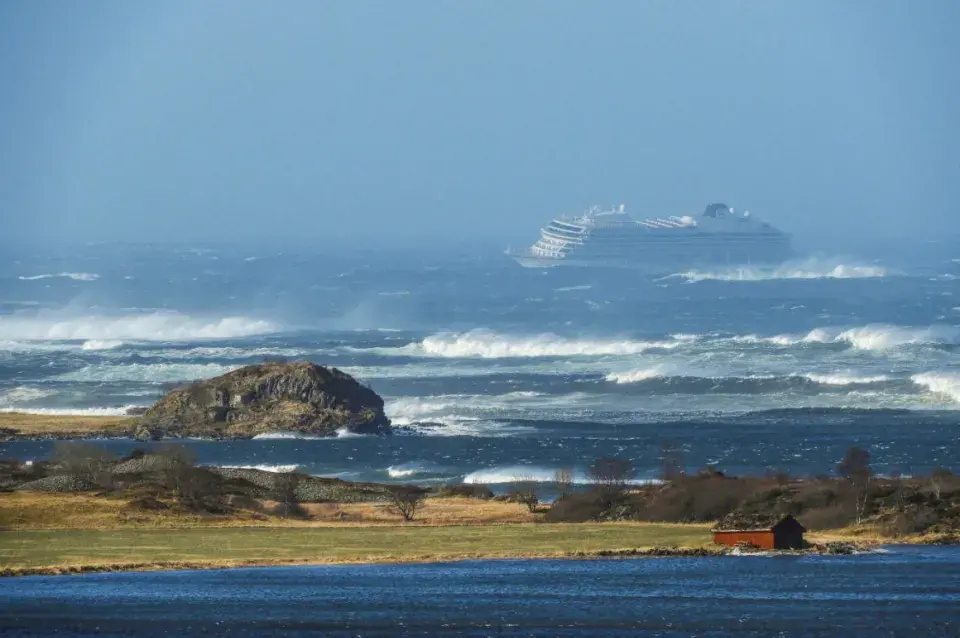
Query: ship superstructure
612, 238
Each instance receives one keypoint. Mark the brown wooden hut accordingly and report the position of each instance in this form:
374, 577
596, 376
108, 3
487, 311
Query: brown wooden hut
764, 531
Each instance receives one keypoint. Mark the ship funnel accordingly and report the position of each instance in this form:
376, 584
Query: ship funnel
623, 208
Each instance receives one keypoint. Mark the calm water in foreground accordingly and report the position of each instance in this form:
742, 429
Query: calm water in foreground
909, 591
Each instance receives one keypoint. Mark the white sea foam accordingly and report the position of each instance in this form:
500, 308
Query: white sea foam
844, 379
491, 345
146, 372
573, 288
155, 326
636, 376
457, 415
263, 467
101, 344
515, 473
76, 276
806, 269
268, 436
869, 337
23, 394
942, 383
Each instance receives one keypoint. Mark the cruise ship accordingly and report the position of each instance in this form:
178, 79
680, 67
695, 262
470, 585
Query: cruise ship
611, 238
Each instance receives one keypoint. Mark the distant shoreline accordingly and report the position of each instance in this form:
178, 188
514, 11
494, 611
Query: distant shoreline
22, 426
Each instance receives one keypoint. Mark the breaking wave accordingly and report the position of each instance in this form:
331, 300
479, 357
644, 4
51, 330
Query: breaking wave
146, 372
157, 326
23, 394
271, 436
668, 379
870, 337
943, 383
76, 276
806, 269
101, 344
491, 345
515, 473
456, 415
263, 467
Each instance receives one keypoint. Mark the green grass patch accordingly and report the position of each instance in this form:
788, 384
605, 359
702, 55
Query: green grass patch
70, 550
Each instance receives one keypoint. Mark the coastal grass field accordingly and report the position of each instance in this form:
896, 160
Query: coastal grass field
64, 551
53, 533
40, 425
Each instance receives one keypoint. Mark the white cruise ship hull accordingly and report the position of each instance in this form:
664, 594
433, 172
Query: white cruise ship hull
613, 240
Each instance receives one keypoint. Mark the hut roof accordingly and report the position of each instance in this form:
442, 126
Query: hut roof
740, 521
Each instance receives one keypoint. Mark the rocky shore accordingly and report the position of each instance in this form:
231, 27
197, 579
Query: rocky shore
301, 398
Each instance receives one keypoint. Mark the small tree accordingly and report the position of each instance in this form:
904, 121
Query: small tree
525, 491
563, 479
406, 500
855, 467
83, 460
610, 473
195, 488
285, 493
671, 459
938, 477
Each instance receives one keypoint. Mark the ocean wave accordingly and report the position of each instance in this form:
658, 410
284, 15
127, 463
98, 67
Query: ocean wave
76, 276
869, 337
272, 436
455, 415
806, 269
24, 394
845, 379
146, 372
942, 383
101, 344
156, 326
280, 469
677, 381
485, 344
515, 473
573, 288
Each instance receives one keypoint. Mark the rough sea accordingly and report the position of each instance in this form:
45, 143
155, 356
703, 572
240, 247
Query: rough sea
906, 591
496, 371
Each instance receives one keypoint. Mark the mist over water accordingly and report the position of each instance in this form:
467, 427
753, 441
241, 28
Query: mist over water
494, 371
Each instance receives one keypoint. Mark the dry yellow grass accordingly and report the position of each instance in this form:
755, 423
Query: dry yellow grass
36, 511
62, 533
36, 425
55, 551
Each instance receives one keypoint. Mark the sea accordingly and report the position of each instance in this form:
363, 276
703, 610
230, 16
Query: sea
903, 591
494, 372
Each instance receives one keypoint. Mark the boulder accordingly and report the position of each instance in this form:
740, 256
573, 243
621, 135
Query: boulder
270, 397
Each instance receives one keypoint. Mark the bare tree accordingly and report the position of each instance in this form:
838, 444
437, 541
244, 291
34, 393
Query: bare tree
563, 479
84, 460
855, 467
525, 491
611, 473
406, 500
195, 488
671, 459
285, 493
938, 477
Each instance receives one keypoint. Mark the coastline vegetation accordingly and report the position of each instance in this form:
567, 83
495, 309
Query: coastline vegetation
156, 508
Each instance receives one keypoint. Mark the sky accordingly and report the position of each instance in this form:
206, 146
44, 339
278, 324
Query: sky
408, 123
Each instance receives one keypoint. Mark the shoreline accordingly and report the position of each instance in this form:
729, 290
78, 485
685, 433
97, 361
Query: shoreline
705, 551
25, 426
201, 565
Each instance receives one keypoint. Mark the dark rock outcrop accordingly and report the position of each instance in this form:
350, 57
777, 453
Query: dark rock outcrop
270, 397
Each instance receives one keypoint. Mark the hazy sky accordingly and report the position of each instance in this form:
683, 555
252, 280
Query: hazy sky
397, 121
